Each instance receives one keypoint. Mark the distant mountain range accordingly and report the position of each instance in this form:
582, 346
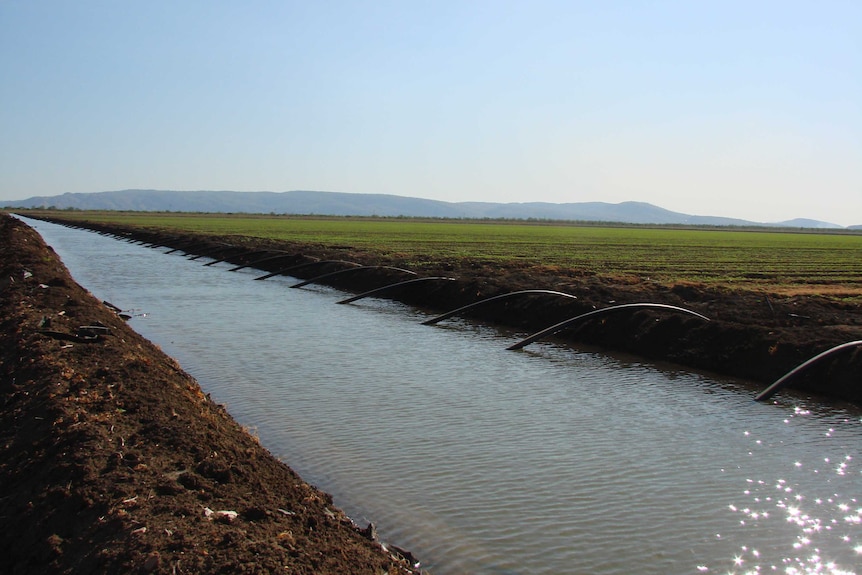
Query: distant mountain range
349, 204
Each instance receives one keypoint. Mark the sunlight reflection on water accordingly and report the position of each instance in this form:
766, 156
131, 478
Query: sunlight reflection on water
816, 499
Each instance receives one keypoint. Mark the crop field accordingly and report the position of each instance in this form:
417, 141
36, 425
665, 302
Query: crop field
809, 262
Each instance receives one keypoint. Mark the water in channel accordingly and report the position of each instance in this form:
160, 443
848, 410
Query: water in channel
487, 461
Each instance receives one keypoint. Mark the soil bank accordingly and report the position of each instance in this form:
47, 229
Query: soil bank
112, 460
757, 336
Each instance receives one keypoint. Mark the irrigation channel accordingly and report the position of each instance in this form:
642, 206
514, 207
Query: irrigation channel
488, 461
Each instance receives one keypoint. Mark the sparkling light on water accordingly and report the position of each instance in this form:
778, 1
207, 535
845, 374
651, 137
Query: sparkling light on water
819, 506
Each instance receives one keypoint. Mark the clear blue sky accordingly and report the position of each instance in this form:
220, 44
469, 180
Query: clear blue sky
749, 109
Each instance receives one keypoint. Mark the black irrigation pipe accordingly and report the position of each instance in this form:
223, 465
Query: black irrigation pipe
222, 254
305, 265
564, 324
278, 256
354, 269
246, 253
184, 245
395, 285
782, 381
212, 251
449, 314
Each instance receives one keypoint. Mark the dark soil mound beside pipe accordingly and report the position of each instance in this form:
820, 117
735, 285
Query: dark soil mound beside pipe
756, 336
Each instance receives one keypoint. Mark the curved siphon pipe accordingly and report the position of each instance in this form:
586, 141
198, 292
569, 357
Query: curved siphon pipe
252, 263
278, 256
225, 255
782, 381
391, 286
247, 253
339, 272
449, 314
304, 265
180, 244
564, 324
214, 250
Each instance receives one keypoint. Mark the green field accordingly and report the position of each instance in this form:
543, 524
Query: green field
820, 262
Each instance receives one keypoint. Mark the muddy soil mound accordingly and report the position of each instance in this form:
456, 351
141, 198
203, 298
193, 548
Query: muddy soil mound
754, 335
112, 460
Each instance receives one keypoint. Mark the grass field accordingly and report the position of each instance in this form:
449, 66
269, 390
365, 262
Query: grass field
810, 262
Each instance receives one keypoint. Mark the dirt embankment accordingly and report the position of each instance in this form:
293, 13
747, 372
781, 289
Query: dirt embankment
755, 335
112, 460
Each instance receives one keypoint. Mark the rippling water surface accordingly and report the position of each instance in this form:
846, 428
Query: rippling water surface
482, 460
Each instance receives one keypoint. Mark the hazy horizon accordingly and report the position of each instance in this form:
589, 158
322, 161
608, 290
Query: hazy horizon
158, 203
728, 109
